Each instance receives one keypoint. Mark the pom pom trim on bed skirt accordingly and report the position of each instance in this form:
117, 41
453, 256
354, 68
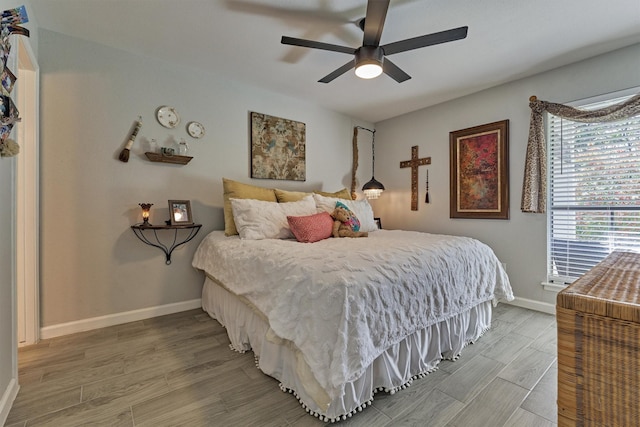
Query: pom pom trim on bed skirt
391, 391
420, 352
368, 402
323, 417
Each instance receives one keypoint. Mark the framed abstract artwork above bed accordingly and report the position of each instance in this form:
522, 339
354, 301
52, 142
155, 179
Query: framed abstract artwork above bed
479, 171
278, 148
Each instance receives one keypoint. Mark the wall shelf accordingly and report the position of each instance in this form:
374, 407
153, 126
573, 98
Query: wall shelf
153, 240
175, 159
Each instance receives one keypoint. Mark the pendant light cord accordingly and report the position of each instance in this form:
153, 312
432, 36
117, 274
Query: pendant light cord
373, 149
373, 153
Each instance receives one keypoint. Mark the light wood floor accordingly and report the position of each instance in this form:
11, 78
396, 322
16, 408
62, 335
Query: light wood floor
177, 370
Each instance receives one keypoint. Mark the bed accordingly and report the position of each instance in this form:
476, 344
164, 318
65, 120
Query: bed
340, 319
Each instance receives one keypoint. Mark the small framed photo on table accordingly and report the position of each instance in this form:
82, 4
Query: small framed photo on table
180, 212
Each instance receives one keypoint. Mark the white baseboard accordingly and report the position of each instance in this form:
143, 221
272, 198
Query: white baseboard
544, 307
117, 318
8, 397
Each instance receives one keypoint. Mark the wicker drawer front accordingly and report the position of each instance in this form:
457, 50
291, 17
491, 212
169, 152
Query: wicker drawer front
598, 370
599, 346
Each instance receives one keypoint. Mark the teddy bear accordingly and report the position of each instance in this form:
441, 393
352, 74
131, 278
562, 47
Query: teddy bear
345, 222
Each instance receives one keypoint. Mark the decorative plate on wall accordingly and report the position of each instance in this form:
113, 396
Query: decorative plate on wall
167, 116
195, 129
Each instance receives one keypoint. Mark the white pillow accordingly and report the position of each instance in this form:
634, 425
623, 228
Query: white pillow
257, 219
361, 208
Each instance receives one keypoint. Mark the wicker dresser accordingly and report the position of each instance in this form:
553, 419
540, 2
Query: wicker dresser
599, 345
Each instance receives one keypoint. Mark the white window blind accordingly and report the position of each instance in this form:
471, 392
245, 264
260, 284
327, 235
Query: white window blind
594, 192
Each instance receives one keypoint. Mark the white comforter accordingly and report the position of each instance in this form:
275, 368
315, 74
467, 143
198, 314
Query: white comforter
343, 301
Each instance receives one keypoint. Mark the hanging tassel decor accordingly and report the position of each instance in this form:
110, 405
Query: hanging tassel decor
426, 199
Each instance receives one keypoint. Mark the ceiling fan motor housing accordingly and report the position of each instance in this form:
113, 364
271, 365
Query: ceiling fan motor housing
369, 55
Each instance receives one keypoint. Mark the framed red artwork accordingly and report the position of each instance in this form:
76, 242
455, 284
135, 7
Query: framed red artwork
479, 171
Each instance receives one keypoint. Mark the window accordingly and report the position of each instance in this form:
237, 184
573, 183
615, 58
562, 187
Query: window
594, 191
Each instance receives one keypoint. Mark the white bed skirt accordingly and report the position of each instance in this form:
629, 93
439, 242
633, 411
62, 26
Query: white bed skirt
396, 368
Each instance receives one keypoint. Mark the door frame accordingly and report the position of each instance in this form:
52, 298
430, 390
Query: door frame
27, 98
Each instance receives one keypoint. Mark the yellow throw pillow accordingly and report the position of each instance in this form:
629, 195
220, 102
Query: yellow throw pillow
342, 194
238, 190
284, 196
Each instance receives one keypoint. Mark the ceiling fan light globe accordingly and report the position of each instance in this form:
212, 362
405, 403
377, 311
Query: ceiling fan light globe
369, 62
368, 71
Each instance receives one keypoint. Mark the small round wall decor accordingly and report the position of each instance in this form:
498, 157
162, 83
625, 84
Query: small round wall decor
195, 129
167, 116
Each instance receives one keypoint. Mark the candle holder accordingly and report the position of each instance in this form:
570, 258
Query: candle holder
145, 213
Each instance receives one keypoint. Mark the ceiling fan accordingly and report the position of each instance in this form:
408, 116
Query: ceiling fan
370, 59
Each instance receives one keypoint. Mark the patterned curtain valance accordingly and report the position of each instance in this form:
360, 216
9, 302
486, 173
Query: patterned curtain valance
534, 186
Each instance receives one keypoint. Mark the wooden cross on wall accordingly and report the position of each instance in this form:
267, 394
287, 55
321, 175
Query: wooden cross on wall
413, 164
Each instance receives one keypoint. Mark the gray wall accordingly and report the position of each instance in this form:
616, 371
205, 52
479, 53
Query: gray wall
92, 264
520, 242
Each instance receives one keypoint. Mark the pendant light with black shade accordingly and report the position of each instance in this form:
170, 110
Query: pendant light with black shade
373, 188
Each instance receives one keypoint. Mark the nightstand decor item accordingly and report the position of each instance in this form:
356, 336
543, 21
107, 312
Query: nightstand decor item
124, 154
9, 114
180, 212
146, 207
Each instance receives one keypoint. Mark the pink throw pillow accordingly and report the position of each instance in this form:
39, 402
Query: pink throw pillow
311, 228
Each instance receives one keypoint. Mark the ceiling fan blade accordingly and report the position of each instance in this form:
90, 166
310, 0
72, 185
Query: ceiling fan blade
337, 73
393, 71
317, 45
424, 41
374, 21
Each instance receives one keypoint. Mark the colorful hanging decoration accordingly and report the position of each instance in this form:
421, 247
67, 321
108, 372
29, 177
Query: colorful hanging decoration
9, 24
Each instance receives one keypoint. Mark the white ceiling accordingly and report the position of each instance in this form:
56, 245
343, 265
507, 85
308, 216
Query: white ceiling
240, 39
